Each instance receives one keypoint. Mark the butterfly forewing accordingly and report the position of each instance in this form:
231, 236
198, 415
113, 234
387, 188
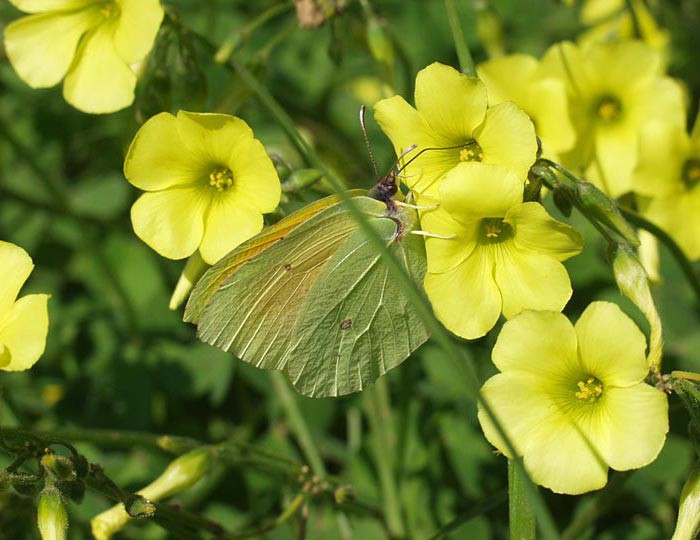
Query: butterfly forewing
356, 323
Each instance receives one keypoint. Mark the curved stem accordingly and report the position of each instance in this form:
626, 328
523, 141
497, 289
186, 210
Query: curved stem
686, 266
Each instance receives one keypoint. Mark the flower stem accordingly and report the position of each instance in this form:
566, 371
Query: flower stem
378, 414
298, 424
466, 62
522, 517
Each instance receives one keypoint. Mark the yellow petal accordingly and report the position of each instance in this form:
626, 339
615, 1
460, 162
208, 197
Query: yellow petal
171, 221
549, 108
36, 6
541, 343
507, 138
451, 103
520, 406
536, 231
662, 99
15, 267
611, 347
405, 127
679, 215
615, 159
212, 137
229, 223
624, 65
99, 80
138, 25
663, 149
445, 254
158, 159
529, 280
5, 356
41, 47
564, 460
565, 62
472, 190
508, 77
466, 299
255, 178
24, 332
638, 418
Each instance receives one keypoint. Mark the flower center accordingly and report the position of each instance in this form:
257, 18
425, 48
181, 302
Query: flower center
221, 178
589, 389
691, 172
609, 108
494, 230
110, 9
471, 152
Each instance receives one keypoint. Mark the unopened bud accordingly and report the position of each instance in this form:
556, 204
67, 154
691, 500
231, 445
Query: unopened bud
52, 517
300, 179
193, 270
380, 45
688, 524
182, 473
489, 28
633, 282
604, 210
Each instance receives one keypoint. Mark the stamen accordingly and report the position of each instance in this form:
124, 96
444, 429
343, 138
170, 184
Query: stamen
590, 389
609, 108
471, 152
495, 230
221, 178
110, 9
691, 172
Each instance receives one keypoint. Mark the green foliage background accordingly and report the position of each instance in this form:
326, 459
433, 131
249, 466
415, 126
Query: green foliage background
118, 359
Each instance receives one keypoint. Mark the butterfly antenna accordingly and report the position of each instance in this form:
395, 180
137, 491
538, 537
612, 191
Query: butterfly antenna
367, 143
410, 148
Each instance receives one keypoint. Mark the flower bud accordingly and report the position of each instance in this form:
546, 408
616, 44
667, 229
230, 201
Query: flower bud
380, 46
194, 268
688, 524
633, 282
604, 210
300, 179
52, 516
181, 474
489, 28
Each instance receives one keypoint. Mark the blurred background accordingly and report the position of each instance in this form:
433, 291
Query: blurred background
117, 358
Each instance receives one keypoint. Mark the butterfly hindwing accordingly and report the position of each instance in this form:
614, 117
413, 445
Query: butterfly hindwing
356, 323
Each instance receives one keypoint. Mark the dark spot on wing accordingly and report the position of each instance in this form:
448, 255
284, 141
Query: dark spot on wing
287, 267
347, 323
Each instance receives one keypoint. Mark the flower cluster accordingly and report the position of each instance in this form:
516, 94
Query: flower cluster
91, 46
489, 252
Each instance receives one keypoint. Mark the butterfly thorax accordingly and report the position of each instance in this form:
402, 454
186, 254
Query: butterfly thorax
385, 189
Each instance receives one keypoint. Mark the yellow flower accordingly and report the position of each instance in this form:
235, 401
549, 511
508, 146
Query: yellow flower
498, 254
208, 182
669, 172
90, 43
614, 89
24, 323
451, 111
516, 78
611, 20
572, 399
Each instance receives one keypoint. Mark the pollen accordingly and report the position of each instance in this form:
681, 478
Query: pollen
221, 178
589, 389
494, 230
471, 152
609, 108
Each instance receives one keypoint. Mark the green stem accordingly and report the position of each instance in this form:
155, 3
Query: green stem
522, 517
466, 62
637, 28
297, 423
380, 422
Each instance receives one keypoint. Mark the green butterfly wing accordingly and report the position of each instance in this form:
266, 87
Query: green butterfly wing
287, 307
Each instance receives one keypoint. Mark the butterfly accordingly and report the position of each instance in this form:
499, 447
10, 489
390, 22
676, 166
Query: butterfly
310, 296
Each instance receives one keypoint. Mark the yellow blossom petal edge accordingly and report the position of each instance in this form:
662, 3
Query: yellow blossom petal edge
24, 323
208, 182
562, 404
